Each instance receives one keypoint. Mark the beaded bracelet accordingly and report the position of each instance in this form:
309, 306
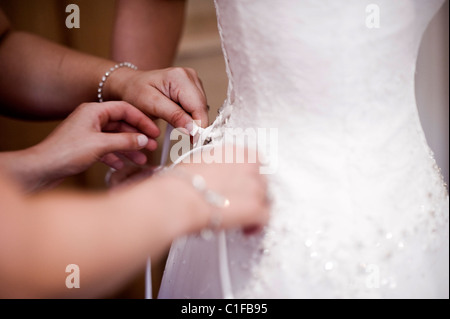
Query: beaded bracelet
108, 73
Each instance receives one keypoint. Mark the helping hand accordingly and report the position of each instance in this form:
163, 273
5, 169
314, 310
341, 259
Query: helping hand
176, 94
94, 132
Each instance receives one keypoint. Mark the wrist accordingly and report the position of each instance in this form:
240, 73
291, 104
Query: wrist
114, 81
216, 202
191, 211
26, 168
182, 210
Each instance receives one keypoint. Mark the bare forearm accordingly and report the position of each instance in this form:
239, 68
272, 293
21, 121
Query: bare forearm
52, 233
147, 32
41, 79
108, 238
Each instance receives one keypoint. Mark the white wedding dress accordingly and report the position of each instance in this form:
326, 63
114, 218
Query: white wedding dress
359, 207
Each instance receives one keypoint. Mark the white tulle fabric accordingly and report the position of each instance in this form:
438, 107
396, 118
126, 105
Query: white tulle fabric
360, 209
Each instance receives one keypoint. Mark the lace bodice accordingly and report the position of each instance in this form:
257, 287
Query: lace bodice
359, 205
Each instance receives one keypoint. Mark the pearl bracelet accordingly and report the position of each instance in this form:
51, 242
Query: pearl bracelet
108, 73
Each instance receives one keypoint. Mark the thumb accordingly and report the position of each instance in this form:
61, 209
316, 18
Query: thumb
122, 142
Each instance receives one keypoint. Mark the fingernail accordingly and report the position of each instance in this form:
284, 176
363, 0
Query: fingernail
142, 140
183, 130
190, 127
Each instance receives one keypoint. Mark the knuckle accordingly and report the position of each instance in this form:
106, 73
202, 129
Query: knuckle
134, 143
177, 117
192, 71
143, 91
84, 106
148, 101
178, 72
151, 95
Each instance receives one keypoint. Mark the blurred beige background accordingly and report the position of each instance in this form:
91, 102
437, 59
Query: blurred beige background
200, 48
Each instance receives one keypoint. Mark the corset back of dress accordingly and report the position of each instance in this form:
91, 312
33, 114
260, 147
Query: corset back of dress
356, 191
340, 91
308, 58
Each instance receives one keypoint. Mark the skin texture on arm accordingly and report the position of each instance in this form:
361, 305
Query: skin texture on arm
109, 236
147, 32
